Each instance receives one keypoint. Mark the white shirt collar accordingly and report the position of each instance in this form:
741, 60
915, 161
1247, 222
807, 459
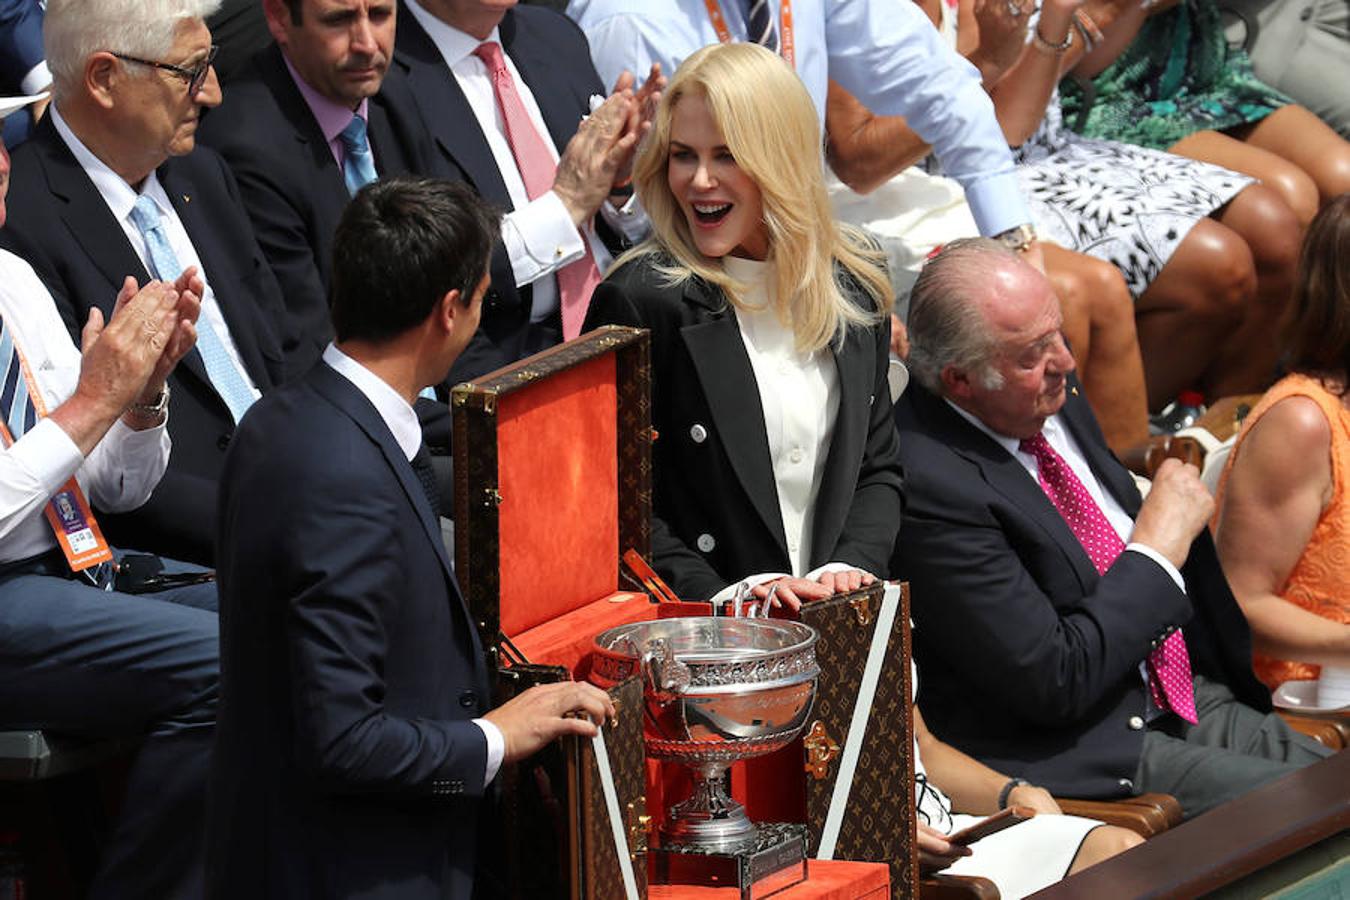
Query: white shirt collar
454, 45
113, 188
393, 409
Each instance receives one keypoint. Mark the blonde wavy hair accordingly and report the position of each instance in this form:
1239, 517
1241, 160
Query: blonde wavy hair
770, 126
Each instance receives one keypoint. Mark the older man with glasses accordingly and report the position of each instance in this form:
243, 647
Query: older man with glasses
111, 187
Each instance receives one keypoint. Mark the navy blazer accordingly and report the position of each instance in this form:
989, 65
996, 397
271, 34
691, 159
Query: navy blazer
59, 223
346, 764
715, 503
20, 50
554, 59
1029, 659
292, 187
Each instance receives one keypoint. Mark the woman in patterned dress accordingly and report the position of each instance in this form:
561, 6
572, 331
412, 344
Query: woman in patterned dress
1179, 86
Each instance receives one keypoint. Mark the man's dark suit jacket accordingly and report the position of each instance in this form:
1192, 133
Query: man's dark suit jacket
20, 50
553, 58
346, 764
292, 187
1028, 659
715, 504
60, 224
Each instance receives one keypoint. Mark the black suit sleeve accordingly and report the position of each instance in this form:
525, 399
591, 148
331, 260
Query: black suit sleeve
874, 516
976, 602
686, 570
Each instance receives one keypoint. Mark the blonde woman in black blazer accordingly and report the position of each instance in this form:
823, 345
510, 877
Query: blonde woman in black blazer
777, 460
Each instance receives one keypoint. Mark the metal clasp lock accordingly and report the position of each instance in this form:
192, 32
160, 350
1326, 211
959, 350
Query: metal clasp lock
821, 750
862, 610
492, 497
639, 827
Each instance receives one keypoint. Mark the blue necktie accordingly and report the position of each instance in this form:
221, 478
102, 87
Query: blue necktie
224, 374
760, 25
358, 165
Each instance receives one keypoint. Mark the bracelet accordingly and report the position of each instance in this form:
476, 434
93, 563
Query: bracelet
1012, 785
1092, 35
1040, 43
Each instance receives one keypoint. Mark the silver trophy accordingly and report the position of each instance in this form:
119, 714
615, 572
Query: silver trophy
717, 690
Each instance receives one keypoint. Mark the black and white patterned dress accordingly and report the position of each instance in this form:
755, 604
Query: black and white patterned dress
1126, 204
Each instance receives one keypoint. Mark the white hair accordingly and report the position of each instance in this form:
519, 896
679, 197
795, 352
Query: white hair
73, 30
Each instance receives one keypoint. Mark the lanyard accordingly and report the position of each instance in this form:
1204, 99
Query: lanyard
719, 24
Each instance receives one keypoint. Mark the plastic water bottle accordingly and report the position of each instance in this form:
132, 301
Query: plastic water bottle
1184, 412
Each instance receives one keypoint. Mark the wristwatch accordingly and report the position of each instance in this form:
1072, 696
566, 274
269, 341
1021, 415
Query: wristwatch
1018, 239
152, 410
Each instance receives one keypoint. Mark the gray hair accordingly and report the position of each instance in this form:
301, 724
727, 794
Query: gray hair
945, 324
73, 30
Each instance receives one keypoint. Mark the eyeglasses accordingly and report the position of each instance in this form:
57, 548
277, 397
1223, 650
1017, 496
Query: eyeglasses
195, 76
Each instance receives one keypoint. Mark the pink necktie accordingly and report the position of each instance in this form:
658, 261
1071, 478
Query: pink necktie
578, 279
1170, 665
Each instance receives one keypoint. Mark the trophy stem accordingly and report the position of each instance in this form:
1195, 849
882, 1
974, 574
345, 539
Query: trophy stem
709, 818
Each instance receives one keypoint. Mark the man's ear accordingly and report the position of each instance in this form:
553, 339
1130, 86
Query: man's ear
448, 310
955, 382
278, 17
102, 71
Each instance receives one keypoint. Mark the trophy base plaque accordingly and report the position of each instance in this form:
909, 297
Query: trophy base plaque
772, 860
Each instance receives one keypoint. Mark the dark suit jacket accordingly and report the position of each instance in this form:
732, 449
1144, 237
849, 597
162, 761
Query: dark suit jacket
1029, 660
715, 503
554, 60
60, 224
20, 50
346, 764
292, 187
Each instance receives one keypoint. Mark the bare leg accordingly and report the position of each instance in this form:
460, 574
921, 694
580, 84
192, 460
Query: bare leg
1099, 324
1192, 308
1297, 135
1273, 233
1275, 171
1103, 843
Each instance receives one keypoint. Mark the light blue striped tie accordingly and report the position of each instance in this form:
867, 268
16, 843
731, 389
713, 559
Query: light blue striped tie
224, 374
16, 404
358, 165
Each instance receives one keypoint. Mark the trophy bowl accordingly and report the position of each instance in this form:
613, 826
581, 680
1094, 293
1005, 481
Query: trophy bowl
716, 690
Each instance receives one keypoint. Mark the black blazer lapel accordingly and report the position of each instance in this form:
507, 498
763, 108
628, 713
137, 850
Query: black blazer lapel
854, 362
221, 269
1077, 416
305, 129
1005, 475
729, 384
85, 215
446, 112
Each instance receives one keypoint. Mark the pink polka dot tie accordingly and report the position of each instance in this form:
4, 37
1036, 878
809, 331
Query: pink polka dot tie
1170, 665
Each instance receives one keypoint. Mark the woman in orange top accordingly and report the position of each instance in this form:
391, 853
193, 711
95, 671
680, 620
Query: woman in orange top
1283, 525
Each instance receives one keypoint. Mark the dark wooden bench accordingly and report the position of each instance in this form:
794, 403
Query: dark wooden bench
1253, 832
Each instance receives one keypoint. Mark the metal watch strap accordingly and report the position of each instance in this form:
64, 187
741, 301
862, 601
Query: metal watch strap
152, 410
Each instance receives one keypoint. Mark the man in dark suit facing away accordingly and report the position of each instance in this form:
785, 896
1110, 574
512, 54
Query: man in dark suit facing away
355, 743
1066, 631
112, 187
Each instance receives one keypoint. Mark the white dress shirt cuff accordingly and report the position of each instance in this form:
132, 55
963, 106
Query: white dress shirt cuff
127, 465
38, 79
1161, 560
540, 238
997, 203
48, 454
630, 220
496, 749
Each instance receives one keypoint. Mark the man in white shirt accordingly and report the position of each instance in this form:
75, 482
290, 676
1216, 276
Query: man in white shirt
1069, 633
77, 657
110, 185
503, 92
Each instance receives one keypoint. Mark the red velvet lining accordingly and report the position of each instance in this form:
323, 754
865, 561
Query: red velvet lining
832, 880
566, 640
558, 520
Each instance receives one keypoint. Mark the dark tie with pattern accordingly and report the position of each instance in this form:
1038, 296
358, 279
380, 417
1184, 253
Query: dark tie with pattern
421, 464
760, 25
